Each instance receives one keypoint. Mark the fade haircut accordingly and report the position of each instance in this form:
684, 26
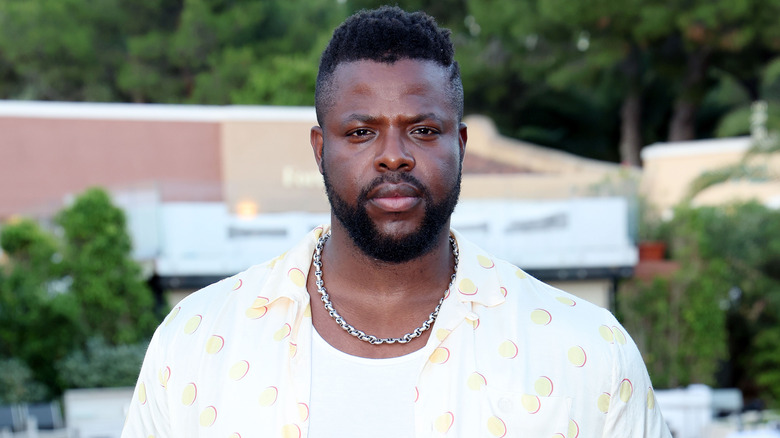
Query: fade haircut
387, 34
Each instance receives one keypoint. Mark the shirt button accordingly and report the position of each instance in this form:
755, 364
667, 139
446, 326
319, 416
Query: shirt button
505, 405
471, 316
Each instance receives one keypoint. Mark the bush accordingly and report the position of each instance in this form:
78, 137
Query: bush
17, 384
99, 365
58, 292
722, 304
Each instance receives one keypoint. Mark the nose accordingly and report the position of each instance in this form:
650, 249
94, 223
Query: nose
393, 153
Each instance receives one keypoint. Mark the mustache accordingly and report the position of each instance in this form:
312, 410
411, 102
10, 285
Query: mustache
393, 178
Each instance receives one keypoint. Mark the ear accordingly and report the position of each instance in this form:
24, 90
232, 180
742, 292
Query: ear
463, 135
317, 141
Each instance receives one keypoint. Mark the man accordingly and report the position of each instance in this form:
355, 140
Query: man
387, 323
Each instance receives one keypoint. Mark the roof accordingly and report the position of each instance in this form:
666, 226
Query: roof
152, 112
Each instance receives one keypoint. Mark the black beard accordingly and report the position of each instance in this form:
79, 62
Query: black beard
367, 237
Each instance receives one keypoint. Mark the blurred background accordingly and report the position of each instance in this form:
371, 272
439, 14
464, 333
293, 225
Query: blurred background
624, 151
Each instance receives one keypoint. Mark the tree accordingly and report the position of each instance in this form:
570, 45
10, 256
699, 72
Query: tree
38, 321
222, 52
58, 295
114, 301
59, 49
635, 47
722, 305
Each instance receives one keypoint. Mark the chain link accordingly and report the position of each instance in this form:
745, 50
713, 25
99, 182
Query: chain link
360, 334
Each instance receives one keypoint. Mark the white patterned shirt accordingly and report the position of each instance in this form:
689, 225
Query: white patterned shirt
509, 356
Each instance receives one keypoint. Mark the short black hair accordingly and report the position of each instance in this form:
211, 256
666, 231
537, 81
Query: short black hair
387, 34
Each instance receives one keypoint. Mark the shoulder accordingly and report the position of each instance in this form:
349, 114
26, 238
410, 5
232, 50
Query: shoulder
515, 306
246, 296
215, 304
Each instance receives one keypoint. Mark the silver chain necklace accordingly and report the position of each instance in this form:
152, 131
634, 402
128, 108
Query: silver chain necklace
360, 334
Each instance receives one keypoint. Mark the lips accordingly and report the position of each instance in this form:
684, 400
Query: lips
394, 197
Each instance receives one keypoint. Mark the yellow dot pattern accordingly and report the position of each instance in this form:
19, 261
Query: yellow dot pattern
508, 350
163, 375
626, 390
172, 315
574, 429
620, 337
208, 416
531, 403
214, 344
258, 308
297, 277
496, 427
440, 355
189, 394
603, 402
282, 332
192, 324
303, 411
606, 334
467, 287
239, 370
566, 301
268, 396
577, 356
543, 316
293, 349
476, 381
291, 431
142, 393
485, 261
543, 386
444, 422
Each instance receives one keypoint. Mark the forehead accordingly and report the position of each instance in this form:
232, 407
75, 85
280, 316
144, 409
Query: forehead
370, 86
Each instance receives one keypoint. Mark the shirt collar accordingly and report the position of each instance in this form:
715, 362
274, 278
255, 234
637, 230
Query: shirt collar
289, 271
477, 279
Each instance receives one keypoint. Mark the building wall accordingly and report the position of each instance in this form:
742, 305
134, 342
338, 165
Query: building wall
670, 168
254, 159
271, 165
43, 159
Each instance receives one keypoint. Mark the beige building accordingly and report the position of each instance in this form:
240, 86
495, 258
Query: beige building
670, 168
256, 162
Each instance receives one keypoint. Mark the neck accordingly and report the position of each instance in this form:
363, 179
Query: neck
386, 300
414, 279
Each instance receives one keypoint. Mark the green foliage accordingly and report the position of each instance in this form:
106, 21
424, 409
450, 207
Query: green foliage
767, 362
57, 293
17, 384
38, 324
678, 325
554, 72
240, 52
100, 365
722, 304
60, 50
114, 300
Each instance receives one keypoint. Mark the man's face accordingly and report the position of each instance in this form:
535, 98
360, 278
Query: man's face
390, 150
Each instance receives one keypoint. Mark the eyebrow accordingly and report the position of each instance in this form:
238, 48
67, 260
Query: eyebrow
365, 118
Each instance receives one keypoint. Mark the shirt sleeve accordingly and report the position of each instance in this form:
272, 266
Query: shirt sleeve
633, 411
148, 412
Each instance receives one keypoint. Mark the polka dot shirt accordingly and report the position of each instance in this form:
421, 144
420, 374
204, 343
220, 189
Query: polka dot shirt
509, 356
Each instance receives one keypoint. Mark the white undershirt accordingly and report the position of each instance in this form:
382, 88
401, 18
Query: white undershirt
360, 397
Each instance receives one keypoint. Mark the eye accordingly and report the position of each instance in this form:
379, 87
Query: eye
360, 132
425, 132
